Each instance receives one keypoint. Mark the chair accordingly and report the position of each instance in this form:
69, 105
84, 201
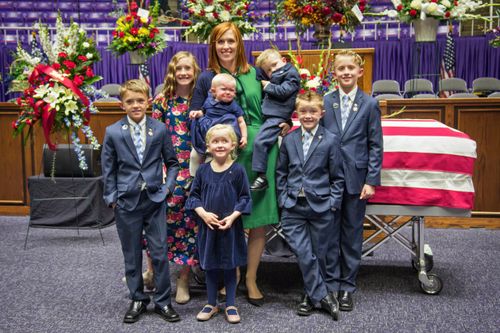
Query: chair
454, 84
463, 95
414, 86
387, 96
424, 96
385, 87
108, 99
159, 88
113, 89
485, 85
494, 95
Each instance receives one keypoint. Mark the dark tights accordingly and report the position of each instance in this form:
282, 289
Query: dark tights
212, 279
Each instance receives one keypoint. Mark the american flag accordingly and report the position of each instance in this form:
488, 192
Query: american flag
448, 61
35, 49
144, 74
426, 163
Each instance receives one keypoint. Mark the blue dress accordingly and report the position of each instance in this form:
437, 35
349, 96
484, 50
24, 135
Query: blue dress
221, 193
215, 112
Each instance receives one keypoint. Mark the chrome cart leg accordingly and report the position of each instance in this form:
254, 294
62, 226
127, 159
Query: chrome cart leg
430, 283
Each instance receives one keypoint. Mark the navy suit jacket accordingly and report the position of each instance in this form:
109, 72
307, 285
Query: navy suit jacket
319, 174
281, 92
361, 140
122, 171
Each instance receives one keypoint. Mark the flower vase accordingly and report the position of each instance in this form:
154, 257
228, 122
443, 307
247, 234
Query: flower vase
322, 34
136, 58
426, 30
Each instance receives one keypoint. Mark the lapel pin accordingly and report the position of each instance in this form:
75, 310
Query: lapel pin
335, 105
320, 137
355, 108
150, 132
124, 127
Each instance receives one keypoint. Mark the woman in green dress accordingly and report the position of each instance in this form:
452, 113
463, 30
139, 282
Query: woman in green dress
227, 55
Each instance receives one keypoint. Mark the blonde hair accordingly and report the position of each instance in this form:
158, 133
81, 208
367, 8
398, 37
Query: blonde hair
310, 98
230, 132
349, 53
265, 55
170, 83
223, 78
242, 65
138, 86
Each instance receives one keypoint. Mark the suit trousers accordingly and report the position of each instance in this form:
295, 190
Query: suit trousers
150, 217
307, 233
345, 245
264, 141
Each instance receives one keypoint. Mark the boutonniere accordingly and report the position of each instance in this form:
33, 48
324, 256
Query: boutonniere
150, 132
125, 127
320, 137
355, 107
335, 105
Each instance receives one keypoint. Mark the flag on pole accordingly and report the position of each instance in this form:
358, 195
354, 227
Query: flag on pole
144, 74
35, 49
448, 60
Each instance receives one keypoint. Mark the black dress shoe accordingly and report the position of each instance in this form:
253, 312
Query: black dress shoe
134, 311
168, 313
330, 304
259, 184
345, 301
305, 307
256, 301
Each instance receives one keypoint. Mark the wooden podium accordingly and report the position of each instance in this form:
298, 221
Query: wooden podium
311, 59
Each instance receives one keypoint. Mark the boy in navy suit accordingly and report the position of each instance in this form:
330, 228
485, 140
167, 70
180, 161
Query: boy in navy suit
280, 89
134, 151
355, 118
310, 185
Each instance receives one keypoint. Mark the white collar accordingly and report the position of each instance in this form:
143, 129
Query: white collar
351, 95
133, 123
313, 131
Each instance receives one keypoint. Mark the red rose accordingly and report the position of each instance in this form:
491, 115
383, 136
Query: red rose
82, 58
114, 33
19, 101
29, 122
302, 91
362, 3
89, 72
413, 12
399, 7
78, 80
337, 17
51, 84
56, 66
121, 34
362, 8
202, 12
134, 31
133, 6
227, 7
434, 1
326, 11
151, 35
209, 2
69, 64
447, 14
216, 15
303, 76
313, 89
14, 124
62, 55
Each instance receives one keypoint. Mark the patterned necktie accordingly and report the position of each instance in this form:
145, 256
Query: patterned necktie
306, 142
138, 142
345, 110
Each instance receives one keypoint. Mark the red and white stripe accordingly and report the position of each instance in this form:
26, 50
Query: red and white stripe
426, 163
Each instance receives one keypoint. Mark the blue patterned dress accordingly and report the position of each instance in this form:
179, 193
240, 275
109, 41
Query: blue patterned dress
182, 227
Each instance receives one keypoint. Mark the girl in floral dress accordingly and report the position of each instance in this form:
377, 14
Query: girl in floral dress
171, 107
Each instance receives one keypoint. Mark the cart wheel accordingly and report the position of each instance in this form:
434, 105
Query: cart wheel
435, 285
429, 263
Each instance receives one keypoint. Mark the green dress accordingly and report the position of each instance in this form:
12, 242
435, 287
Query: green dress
264, 203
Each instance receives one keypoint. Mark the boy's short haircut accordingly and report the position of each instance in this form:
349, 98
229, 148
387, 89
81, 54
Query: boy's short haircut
310, 98
135, 85
264, 56
223, 78
350, 53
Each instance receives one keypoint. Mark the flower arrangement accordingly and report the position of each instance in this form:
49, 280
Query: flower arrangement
409, 10
206, 14
137, 31
306, 13
321, 80
56, 85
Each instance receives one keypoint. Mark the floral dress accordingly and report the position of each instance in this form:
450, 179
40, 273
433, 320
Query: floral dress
182, 227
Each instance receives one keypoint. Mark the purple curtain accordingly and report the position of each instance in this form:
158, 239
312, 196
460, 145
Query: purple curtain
399, 60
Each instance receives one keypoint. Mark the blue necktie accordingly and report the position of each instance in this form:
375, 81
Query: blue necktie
345, 110
306, 143
138, 142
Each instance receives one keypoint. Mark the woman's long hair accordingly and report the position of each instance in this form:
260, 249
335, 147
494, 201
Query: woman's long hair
241, 59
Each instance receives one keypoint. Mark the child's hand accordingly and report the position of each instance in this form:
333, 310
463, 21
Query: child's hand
226, 222
210, 219
195, 114
264, 83
285, 127
367, 192
243, 142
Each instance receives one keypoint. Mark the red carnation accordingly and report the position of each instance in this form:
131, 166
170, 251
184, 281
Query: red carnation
155, 30
78, 80
62, 55
362, 8
69, 64
133, 6
447, 14
14, 124
121, 34
362, 3
413, 12
337, 17
151, 35
302, 91
19, 101
209, 2
114, 33
434, 1
202, 12
303, 76
227, 7
82, 58
216, 15
29, 122
134, 31
326, 11
56, 66
399, 7
89, 72
313, 89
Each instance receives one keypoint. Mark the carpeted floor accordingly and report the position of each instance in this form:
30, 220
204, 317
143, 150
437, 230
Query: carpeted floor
65, 282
